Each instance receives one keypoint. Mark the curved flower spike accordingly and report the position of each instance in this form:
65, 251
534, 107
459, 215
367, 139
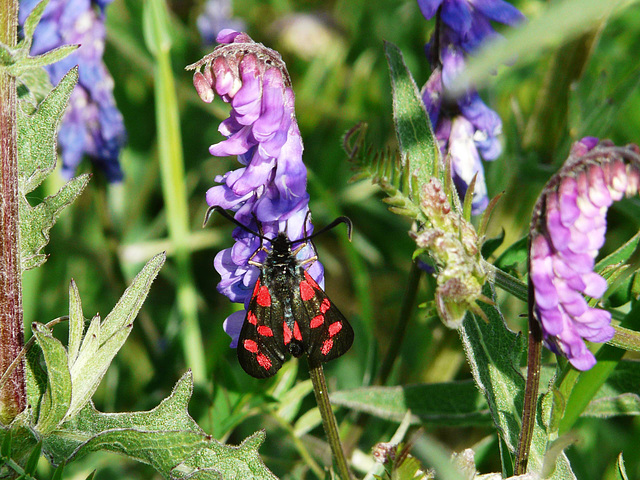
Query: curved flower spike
270, 189
567, 230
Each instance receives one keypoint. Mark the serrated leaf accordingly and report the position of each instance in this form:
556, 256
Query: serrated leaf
37, 135
57, 397
418, 147
103, 340
35, 222
166, 438
33, 87
451, 403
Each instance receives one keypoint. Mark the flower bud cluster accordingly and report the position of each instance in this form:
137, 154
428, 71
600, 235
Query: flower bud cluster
92, 124
453, 244
568, 229
466, 128
269, 191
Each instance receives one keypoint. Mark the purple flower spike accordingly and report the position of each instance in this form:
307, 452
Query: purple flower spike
466, 128
270, 190
568, 229
92, 125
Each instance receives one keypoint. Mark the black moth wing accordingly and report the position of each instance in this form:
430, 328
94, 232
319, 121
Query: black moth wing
326, 333
261, 344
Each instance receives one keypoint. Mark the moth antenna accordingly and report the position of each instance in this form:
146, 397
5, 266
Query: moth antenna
335, 223
229, 217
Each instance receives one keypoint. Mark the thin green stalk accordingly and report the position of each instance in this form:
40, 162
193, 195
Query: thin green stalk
13, 392
329, 420
156, 29
408, 303
299, 445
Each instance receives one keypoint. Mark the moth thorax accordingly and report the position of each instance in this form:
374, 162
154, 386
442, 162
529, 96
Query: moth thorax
295, 348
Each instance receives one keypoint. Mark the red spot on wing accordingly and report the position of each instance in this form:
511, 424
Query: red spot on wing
265, 331
251, 318
334, 328
296, 331
306, 290
264, 297
287, 333
251, 346
327, 345
317, 321
325, 305
263, 361
310, 279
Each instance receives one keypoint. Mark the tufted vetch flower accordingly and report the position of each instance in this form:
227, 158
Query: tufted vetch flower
92, 125
268, 191
466, 128
568, 230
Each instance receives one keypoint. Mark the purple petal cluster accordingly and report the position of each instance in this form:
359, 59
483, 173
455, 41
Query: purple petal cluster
92, 124
466, 128
269, 190
570, 226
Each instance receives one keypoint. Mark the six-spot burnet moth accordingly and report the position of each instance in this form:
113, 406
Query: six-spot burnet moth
288, 311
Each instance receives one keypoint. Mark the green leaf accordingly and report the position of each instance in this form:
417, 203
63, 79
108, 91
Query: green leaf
166, 438
35, 222
493, 352
559, 23
57, 397
32, 461
622, 471
515, 255
36, 159
57, 474
156, 26
52, 56
76, 322
452, 403
37, 135
419, 149
104, 339
290, 403
32, 21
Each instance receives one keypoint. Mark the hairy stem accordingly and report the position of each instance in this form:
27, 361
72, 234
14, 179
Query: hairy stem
329, 420
13, 391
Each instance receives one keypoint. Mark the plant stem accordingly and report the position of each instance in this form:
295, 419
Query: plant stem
329, 420
13, 392
531, 390
157, 28
408, 302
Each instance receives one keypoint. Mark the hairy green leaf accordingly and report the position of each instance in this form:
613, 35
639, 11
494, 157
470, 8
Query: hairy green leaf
452, 403
103, 339
35, 222
420, 154
32, 21
36, 159
166, 438
57, 397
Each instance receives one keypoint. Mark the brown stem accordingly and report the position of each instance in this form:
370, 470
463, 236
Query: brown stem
12, 393
531, 389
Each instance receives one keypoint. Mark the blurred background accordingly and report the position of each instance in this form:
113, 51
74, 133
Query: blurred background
334, 52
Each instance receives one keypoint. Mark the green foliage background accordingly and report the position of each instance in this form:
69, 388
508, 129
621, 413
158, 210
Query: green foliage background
103, 240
